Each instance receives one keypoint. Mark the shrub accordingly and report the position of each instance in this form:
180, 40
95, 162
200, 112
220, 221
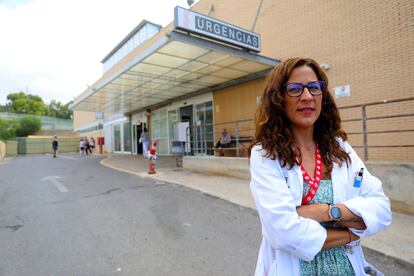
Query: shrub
7, 129
28, 126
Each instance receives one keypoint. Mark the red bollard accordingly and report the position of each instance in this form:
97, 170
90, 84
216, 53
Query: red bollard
151, 169
152, 155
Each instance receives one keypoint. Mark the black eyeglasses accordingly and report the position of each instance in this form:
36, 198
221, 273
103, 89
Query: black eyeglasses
296, 89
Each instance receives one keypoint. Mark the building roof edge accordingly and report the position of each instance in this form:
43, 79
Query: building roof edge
132, 33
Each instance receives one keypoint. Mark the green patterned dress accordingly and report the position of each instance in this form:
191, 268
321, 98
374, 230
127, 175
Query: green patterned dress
327, 262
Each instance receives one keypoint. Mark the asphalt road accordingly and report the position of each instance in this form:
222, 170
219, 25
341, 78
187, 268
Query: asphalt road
72, 216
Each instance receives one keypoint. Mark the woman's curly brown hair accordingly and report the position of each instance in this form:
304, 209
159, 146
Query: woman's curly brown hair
273, 130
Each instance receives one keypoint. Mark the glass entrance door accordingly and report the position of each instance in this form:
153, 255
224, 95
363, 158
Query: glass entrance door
204, 129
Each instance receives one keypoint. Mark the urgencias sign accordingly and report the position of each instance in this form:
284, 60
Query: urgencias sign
209, 27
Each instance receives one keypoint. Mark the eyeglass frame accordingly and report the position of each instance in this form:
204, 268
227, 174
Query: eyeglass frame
303, 88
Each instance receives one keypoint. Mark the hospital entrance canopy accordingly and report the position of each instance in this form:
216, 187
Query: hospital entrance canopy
200, 55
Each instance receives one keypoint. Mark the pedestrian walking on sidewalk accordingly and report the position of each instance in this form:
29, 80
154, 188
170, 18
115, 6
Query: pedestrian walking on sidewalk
314, 195
87, 146
81, 147
145, 140
55, 144
92, 145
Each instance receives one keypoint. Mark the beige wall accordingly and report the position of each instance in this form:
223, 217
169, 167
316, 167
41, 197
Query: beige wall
81, 118
236, 103
2, 150
368, 44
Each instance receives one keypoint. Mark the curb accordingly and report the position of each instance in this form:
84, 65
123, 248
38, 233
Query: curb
144, 175
387, 258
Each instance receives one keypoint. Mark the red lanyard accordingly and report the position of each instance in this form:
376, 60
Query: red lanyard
313, 183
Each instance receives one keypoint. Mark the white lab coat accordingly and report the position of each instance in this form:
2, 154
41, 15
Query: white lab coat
287, 237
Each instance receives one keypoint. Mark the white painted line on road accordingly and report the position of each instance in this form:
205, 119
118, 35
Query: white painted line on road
6, 160
55, 180
68, 157
60, 186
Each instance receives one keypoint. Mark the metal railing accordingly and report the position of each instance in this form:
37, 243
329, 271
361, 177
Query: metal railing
365, 119
203, 138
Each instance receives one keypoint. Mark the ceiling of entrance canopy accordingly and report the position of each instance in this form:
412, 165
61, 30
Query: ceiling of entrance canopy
174, 69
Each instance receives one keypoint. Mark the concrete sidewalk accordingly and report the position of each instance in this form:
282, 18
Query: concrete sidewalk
396, 241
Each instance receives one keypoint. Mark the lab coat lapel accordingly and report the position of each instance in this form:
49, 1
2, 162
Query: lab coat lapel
339, 177
295, 182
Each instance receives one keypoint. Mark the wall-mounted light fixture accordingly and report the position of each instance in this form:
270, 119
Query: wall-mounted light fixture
325, 66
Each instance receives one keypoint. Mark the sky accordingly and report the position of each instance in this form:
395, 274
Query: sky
54, 48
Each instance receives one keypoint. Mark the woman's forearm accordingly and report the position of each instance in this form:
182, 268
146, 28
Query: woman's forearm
338, 237
320, 213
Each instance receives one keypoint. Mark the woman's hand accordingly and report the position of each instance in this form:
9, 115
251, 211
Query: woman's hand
349, 219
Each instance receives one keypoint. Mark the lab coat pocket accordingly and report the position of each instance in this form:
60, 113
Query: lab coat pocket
354, 189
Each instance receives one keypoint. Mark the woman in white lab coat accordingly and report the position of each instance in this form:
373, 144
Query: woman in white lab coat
314, 195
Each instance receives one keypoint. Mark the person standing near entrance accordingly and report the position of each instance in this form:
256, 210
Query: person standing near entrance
92, 145
81, 147
145, 140
55, 146
314, 195
87, 146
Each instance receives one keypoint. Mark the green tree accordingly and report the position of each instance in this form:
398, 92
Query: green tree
28, 126
27, 104
7, 129
6, 108
58, 110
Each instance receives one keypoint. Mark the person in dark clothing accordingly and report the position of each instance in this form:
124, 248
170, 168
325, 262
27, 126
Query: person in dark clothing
92, 144
87, 146
54, 146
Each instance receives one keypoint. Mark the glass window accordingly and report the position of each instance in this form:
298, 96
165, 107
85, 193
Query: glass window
172, 121
204, 131
159, 130
127, 136
199, 131
145, 33
123, 51
136, 40
117, 137
130, 45
152, 30
141, 36
209, 128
